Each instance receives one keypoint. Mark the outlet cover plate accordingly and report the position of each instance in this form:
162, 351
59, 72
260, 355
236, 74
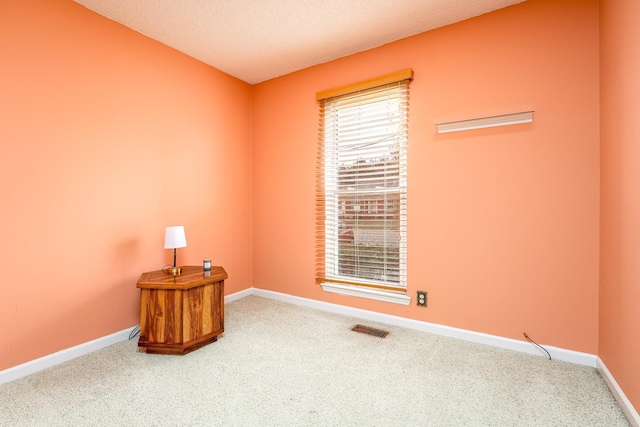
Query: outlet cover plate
421, 298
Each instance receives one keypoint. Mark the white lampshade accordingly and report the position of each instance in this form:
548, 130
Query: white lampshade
174, 237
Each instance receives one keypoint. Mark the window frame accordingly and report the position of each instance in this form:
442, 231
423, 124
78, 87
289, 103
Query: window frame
357, 286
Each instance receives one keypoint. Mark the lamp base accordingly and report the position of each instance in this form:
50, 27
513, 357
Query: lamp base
173, 271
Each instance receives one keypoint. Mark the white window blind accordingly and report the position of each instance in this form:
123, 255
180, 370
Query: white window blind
361, 195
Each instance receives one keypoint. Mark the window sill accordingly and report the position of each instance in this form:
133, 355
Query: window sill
356, 291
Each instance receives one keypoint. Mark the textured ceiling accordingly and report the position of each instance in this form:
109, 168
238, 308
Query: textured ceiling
256, 40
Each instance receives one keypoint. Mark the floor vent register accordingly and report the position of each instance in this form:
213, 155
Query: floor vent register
370, 331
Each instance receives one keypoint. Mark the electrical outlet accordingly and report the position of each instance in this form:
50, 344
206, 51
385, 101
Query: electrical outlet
421, 298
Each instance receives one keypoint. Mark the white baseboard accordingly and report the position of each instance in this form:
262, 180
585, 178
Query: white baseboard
65, 355
571, 356
579, 358
625, 404
238, 295
62, 356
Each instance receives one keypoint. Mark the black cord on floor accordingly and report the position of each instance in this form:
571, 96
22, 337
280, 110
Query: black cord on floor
536, 344
135, 331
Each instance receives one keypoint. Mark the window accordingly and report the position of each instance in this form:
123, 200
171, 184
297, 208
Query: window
362, 188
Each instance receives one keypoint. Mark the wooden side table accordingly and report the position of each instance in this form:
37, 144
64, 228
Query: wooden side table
182, 313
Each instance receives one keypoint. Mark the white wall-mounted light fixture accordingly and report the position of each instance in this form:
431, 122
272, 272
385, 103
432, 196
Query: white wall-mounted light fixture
486, 122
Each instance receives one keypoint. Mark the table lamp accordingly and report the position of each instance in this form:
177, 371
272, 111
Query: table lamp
174, 238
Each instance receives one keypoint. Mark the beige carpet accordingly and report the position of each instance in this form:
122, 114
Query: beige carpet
284, 365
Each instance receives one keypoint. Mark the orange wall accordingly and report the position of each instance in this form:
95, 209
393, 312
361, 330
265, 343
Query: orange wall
620, 212
107, 137
503, 223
